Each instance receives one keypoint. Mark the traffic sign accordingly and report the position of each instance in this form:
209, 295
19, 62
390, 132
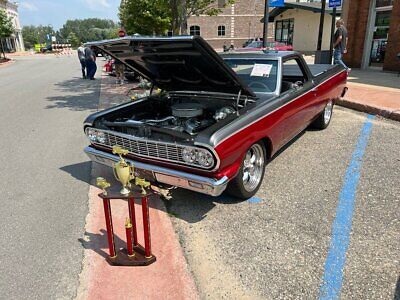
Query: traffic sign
276, 3
335, 3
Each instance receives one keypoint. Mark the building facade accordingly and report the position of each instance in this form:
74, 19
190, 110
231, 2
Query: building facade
297, 24
236, 24
14, 42
374, 33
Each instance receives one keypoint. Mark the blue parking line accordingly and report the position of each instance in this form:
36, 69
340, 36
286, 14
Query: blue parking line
341, 227
254, 200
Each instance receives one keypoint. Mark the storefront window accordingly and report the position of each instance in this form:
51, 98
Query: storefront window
284, 31
381, 30
383, 3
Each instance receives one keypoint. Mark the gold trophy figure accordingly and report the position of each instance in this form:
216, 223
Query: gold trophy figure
103, 184
143, 184
123, 172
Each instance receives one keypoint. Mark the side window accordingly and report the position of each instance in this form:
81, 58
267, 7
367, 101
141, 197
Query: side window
293, 76
221, 30
194, 30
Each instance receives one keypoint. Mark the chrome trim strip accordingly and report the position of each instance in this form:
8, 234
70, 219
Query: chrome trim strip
271, 112
144, 140
205, 185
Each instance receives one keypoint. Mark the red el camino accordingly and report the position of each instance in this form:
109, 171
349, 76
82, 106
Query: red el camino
218, 119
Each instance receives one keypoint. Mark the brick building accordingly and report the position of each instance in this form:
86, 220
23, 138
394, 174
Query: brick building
14, 42
234, 25
374, 33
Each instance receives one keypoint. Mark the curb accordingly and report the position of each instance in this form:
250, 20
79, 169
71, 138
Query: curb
383, 112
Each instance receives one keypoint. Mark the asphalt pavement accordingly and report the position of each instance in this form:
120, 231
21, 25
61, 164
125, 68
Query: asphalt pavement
44, 175
325, 223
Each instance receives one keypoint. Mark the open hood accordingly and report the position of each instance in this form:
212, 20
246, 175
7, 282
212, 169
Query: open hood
184, 63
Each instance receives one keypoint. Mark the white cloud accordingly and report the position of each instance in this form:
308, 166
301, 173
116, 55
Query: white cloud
97, 4
28, 6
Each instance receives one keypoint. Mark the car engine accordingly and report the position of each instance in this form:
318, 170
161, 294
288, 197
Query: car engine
179, 119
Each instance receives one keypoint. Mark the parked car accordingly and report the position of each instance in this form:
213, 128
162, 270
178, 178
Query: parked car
218, 118
271, 45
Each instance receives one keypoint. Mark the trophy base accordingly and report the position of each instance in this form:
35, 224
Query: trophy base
123, 259
125, 191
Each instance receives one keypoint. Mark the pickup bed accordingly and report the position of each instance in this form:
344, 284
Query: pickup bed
218, 119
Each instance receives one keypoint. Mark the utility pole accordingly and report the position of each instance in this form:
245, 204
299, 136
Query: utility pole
321, 25
266, 19
332, 32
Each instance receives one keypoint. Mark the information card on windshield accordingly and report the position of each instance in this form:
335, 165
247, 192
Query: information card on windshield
261, 70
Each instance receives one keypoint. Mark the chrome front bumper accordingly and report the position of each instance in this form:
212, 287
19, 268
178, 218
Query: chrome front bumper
181, 179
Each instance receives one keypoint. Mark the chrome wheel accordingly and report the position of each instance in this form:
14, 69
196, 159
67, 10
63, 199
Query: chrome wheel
253, 167
328, 112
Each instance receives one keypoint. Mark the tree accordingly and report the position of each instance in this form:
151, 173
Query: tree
6, 28
92, 29
37, 35
145, 16
157, 16
73, 40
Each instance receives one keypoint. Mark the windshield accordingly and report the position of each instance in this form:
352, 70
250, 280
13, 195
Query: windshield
259, 74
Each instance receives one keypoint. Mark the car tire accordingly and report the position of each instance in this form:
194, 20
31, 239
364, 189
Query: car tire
247, 182
323, 120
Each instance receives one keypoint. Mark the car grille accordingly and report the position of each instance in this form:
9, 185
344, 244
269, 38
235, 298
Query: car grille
151, 149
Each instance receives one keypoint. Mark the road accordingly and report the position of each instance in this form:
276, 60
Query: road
44, 175
276, 245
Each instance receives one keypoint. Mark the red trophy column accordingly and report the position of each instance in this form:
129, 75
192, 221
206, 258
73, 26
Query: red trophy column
132, 216
109, 226
146, 227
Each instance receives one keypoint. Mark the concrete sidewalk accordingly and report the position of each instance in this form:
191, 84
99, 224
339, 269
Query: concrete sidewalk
374, 92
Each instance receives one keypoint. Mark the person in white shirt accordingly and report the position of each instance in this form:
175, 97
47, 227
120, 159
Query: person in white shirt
81, 56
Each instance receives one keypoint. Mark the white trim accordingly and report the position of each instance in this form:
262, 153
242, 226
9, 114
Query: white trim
384, 8
369, 34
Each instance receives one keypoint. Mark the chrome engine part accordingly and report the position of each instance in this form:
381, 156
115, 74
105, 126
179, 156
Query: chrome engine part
187, 110
223, 112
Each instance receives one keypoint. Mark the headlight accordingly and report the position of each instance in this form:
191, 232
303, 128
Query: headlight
198, 156
101, 137
92, 135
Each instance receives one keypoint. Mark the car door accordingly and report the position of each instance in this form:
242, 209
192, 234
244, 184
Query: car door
298, 112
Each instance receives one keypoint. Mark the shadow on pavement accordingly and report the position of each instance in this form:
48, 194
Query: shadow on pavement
76, 94
397, 290
99, 241
374, 77
80, 171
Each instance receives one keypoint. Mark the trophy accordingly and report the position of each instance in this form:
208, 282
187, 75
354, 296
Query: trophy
143, 184
103, 184
123, 172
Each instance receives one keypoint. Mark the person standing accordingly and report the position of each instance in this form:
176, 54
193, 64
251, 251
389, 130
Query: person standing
82, 60
340, 43
119, 71
90, 59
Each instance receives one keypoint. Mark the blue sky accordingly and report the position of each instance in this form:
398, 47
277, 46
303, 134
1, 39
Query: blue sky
56, 12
